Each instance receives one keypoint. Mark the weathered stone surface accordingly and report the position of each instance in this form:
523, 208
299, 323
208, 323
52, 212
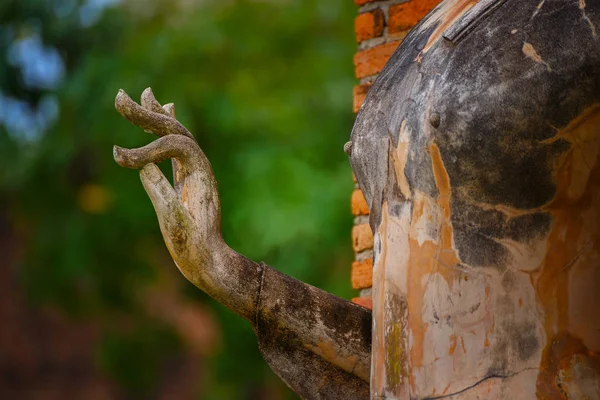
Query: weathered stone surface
476, 150
317, 343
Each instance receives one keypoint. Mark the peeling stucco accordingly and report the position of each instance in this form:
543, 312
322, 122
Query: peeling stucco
493, 177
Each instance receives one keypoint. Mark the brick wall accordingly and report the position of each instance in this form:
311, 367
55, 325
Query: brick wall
380, 27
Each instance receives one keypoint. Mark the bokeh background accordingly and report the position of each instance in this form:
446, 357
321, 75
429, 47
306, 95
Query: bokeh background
91, 305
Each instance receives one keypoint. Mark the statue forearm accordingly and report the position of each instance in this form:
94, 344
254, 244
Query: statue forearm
334, 329
317, 343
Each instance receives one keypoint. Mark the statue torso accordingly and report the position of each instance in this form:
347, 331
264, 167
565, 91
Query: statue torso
477, 151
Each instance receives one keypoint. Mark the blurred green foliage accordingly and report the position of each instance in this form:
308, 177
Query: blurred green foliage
265, 86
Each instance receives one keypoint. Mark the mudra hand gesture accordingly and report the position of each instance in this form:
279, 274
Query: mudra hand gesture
189, 212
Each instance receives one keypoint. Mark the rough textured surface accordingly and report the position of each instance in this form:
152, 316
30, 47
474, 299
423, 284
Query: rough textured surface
359, 93
477, 152
394, 17
359, 204
371, 61
362, 274
317, 343
362, 237
364, 301
369, 25
405, 15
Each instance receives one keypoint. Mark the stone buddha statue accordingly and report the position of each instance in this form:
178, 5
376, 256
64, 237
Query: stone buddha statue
477, 152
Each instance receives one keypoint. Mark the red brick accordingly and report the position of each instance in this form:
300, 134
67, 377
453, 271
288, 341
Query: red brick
362, 274
359, 95
371, 61
369, 25
366, 302
362, 237
406, 15
359, 204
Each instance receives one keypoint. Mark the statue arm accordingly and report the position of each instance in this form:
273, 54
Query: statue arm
317, 343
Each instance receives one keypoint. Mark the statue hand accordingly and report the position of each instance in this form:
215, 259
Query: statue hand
189, 213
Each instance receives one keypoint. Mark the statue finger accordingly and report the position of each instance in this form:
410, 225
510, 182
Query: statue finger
149, 102
195, 183
178, 182
154, 122
172, 146
169, 109
176, 223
